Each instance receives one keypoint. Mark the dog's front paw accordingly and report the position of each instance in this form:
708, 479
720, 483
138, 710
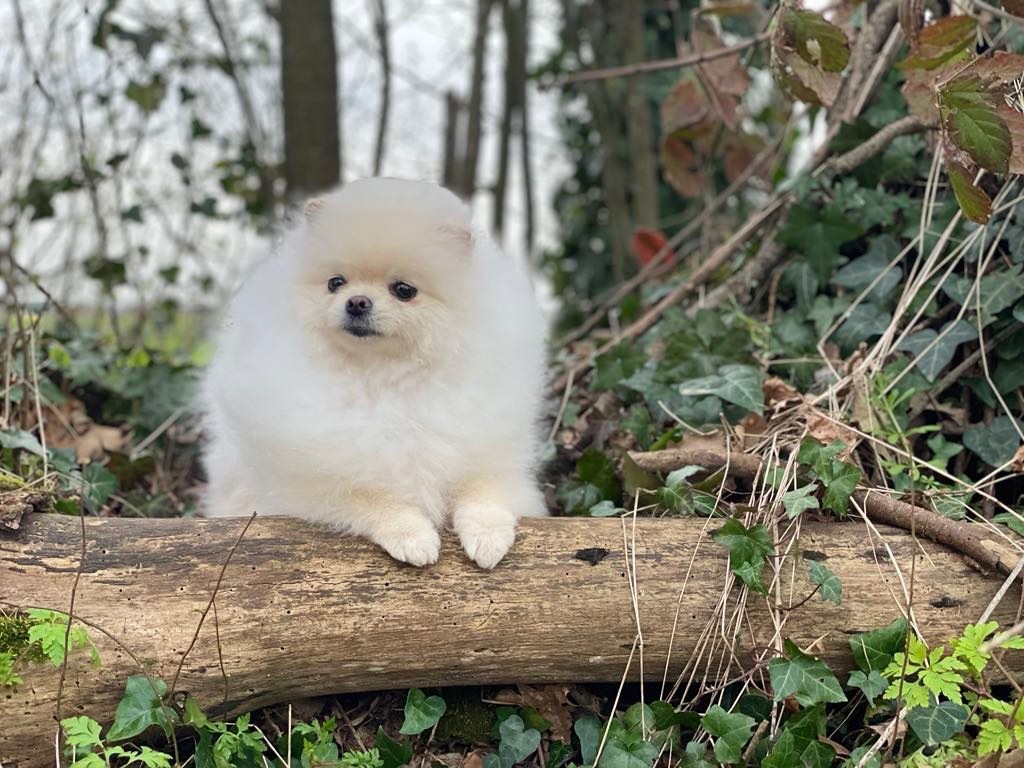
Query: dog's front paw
486, 534
419, 546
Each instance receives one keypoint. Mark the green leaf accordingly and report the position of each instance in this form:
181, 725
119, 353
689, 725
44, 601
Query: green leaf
421, 712
588, 731
934, 361
804, 677
970, 118
818, 233
831, 588
748, 549
81, 731
840, 482
517, 742
19, 439
941, 42
994, 736
627, 750
559, 753
865, 322
875, 650
816, 41
994, 443
732, 730
393, 754
790, 752
873, 685
799, 500
937, 723
974, 202
737, 384
862, 271
666, 716
100, 484
141, 707
147, 95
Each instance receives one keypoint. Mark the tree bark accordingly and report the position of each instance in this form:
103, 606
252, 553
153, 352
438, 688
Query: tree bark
309, 81
301, 611
642, 162
382, 31
466, 184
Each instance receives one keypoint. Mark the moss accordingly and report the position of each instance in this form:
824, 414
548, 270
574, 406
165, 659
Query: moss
466, 720
14, 638
9, 482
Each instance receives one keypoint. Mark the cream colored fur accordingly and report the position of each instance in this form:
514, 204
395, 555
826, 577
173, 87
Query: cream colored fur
391, 436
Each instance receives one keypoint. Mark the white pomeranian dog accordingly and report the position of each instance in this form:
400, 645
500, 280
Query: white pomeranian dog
382, 373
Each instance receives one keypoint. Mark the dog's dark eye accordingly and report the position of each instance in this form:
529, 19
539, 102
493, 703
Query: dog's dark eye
403, 291
335, 283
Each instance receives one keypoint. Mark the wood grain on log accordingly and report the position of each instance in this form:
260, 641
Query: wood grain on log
302, 612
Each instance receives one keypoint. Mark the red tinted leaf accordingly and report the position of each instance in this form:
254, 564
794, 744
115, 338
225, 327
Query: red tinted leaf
647, 244
946, 39
1015, 124
682, 169
685, 106
725, 74
1016, 7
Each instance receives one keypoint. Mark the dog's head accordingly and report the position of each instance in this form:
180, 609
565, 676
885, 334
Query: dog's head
381, 268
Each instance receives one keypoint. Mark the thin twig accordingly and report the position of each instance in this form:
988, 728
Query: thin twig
71, 618
209, 605
646, 67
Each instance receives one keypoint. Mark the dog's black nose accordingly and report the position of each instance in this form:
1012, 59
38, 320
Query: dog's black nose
357, 306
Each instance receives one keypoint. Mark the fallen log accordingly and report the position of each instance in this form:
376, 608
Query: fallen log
302, 612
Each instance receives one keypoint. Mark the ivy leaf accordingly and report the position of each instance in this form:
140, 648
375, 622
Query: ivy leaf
517, 741
421, 712
141, 707
974, 202
816, 41
799, 500
831, 587
588, 731
875, 650
393, 754
934, 361
872, 685
839, 481
862, 271
737, 384
100, 484
969, 116
865, 322
627, 750
818, 234
732, 730
747, 550
937, 723
804, 677
994, 443
20, 439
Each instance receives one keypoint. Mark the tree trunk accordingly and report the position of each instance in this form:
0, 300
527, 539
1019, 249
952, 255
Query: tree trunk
642, 162
382, 31
309, 80
467, 182
301, 611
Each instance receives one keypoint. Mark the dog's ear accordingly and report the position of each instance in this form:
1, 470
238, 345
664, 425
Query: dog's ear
312, 208
459, 236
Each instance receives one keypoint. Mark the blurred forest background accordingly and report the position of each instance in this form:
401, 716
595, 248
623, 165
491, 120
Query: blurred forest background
790, 230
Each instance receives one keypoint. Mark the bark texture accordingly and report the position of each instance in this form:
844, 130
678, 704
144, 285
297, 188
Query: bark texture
303, 612
309, 81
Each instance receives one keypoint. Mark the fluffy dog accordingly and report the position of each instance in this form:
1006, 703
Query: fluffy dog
382, 373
